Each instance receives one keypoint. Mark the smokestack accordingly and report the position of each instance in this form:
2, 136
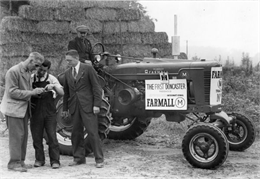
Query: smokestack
175, 25
175, 40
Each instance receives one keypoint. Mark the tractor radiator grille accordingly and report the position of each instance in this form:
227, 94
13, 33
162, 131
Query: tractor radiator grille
207, 75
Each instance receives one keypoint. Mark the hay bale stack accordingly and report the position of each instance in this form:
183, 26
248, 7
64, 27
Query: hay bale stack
15, 49
36, 38
101, 14
61, 3
69, 14
7, 37
137, 50
53, 27
154, 37
129, 15
14, 23
143, 25
49, 49
113, 49
95, 26
36, 13
113, 4
47, 27
125, 37
112, 27
58, 64
4, 11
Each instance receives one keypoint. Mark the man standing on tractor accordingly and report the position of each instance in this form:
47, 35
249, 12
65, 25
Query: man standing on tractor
81, 44
44, 115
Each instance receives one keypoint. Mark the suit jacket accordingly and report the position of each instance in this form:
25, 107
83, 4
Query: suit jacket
83, 48
85, 89
18, 92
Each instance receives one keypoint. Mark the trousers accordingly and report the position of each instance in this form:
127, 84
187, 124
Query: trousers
82, 119
39, 123
18, 137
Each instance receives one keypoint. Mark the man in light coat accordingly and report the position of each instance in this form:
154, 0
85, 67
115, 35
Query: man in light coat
16, 107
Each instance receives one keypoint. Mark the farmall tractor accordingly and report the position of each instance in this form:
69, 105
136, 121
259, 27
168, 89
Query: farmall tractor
147, 88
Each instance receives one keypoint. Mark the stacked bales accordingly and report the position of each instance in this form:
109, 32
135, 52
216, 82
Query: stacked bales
47, 27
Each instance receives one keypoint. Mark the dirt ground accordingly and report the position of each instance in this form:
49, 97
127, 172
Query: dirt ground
155, 154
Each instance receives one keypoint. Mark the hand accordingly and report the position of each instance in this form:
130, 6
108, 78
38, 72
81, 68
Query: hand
65, 114
37, 91
96, 110
49, 87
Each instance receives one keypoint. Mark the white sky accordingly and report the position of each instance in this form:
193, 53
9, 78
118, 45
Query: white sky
233, 25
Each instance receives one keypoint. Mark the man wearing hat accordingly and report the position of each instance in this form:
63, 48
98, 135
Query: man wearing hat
82, 44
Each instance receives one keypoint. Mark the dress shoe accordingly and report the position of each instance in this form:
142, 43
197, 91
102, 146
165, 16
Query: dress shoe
38, 164
55, 165
18, 169
76, 163
99, 165
27, 166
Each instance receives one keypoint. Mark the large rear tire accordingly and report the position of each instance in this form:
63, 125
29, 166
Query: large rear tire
129, 131
240, 135
205, 146
64, 127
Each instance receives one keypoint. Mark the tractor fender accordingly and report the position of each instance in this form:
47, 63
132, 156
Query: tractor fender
221, 117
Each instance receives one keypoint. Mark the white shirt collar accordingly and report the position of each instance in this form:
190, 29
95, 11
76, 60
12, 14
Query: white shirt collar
77, 67
37, 78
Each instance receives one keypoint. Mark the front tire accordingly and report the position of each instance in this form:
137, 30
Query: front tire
241, 135
205, 146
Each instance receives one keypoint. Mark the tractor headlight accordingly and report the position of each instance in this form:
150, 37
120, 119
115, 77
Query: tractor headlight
97, 58
118, 57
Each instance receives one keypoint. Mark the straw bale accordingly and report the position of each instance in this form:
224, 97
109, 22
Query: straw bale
129, 15
114, 27
36, 13
113, 4
154, 37
137, 50
53, 27
49, 49
94, 38
164, 49
101, 14
14, 23
69, 14
113, 49
4, 12
127, 38
143, 25
15, 49
57, 3
58, 64
7, 37
95, 26
9, 61
98, 37
37, 38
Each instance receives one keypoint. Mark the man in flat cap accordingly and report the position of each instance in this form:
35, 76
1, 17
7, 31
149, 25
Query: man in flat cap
82, 44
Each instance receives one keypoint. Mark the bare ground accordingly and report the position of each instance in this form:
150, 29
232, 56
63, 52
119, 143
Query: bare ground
155, 154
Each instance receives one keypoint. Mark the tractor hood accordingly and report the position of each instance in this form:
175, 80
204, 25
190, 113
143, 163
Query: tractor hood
149, 68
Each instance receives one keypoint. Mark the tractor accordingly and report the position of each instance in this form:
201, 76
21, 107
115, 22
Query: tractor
146, 88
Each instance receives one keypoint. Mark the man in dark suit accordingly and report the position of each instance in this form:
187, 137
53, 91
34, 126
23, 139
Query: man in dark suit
82, 99
16, 107
82, 44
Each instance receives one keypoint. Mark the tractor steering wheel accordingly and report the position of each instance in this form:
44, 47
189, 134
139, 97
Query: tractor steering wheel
98, 49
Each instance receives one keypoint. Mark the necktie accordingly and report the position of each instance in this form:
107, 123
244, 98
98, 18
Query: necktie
74, 73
